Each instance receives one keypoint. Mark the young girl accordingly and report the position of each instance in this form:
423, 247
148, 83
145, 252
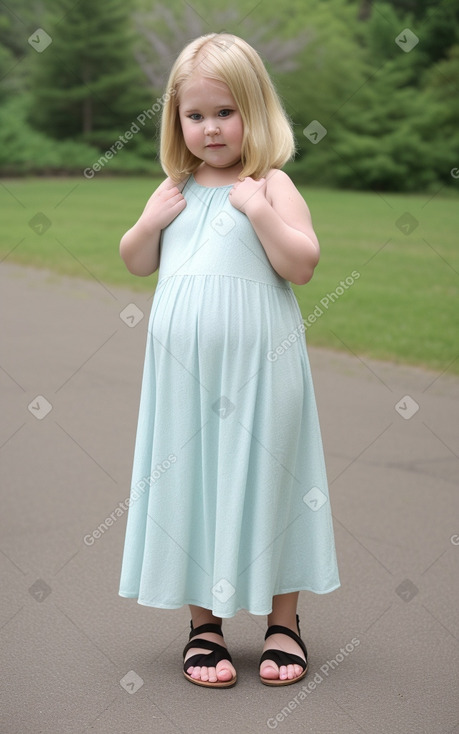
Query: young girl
229, 504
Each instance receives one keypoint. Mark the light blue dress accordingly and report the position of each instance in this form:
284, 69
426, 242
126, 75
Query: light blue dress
229, 501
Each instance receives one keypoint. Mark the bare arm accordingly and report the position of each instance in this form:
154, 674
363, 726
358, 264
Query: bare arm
282, 222
139, 246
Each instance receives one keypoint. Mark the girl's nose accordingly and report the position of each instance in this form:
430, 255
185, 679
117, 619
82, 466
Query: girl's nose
211, 129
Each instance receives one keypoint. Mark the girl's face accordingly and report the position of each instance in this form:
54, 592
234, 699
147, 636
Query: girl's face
211, 122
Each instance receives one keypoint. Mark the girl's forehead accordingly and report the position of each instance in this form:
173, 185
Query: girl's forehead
199, 85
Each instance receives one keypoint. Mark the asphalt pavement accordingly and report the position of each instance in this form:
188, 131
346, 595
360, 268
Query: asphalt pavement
77, 658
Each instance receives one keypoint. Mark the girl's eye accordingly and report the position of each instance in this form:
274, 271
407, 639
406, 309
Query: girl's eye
196, 116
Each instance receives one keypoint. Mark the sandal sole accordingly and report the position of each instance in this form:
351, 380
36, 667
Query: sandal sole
209, 684
277, 682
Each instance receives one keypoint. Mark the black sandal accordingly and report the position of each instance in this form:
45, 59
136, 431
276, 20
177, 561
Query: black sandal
210, 659
283, 658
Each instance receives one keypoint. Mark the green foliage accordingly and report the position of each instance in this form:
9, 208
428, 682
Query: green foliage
6, 62
439, 30
86, 83
24, 150
387, 143
390, 133
442, 88
390, 116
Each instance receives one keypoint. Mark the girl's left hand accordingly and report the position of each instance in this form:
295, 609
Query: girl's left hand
247, 194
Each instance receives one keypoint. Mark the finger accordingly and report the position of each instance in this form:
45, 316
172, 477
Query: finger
172, 198
172, 194
168, 184
180, 204
167, 194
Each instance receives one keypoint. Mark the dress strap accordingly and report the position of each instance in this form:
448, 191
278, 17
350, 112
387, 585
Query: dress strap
186, 183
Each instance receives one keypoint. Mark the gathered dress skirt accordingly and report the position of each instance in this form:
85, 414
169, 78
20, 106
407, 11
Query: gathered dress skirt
229, 502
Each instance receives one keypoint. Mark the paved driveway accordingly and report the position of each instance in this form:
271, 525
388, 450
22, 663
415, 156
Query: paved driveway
76, 657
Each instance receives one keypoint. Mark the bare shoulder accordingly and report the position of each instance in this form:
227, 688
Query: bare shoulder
277, 178
278, 181
285, 198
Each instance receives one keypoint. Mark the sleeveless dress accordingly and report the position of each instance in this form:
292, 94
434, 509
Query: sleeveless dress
229, 502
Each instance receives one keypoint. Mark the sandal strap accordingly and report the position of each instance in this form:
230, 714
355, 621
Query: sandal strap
285, 630
279, 629
210, 659
215, 628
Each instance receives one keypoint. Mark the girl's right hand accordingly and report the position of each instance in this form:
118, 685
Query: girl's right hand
163, 206
139, 246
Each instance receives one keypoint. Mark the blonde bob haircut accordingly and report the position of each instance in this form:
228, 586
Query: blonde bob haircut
267, 141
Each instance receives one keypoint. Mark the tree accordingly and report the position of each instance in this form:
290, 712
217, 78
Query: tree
163, 32
86, 84
16, 25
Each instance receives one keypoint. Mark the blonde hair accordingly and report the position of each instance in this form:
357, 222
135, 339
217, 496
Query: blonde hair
268, 140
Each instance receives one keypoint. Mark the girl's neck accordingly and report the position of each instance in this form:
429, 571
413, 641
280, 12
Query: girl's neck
207, 175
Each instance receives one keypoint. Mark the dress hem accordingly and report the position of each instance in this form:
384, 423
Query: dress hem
194, 602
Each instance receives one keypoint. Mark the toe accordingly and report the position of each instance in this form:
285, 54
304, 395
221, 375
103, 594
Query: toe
283, 672
196, 672
211, 675
206, 673
269, 670
225, 672
294, 671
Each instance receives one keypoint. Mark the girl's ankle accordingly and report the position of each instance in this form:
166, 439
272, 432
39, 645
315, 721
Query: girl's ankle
205, 617
288, 621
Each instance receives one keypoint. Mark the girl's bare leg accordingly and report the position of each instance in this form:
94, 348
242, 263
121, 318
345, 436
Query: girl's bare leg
224, 670
283, 613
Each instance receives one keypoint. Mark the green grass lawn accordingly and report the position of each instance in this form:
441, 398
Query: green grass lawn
403, 307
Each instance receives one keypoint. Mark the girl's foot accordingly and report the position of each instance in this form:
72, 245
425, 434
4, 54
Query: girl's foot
223, 672
270, 670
